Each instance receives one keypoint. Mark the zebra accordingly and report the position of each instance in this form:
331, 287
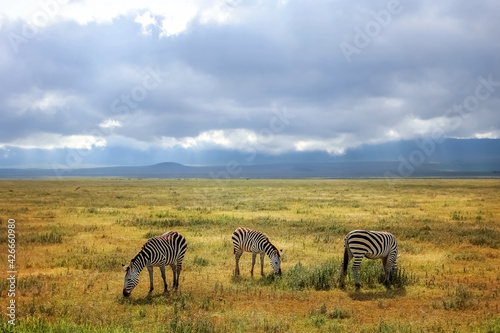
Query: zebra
373, 245
248, 240
167, 249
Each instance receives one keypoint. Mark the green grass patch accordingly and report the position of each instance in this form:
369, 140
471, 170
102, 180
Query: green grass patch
54, 236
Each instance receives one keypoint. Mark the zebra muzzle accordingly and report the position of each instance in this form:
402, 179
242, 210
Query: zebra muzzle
126, 293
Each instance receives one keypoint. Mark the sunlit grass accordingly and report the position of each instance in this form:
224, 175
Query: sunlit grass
71, 245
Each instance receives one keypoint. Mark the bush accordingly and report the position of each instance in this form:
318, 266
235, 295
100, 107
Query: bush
322, 277
339, 313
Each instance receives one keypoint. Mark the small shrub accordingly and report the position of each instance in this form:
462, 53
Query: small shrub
151, 233
461, 299
318, 320
93, 210
457, 216
199, 261
339, 313
90, 228
297, 277
323, 277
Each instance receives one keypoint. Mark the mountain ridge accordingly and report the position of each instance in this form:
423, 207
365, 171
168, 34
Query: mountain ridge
373, 169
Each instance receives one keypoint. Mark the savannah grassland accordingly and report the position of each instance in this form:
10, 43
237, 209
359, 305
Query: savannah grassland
71, 244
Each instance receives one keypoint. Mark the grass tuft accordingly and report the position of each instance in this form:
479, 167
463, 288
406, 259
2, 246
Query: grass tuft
199, 261
54, 236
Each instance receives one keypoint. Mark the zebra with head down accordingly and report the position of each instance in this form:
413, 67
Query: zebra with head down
373, 245
247, 240
167, 249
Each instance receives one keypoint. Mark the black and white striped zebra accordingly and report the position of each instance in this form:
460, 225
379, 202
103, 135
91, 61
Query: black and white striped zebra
247, 240
167, 249
373, 245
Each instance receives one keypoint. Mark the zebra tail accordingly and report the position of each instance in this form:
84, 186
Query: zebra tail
346, 259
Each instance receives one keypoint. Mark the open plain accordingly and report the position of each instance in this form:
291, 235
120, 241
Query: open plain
73, 235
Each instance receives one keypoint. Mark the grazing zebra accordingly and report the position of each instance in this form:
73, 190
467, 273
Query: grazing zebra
167, 249
373, 245
248, 240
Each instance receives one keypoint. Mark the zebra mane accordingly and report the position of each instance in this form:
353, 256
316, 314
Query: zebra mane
135, 258
139, 255
274, 248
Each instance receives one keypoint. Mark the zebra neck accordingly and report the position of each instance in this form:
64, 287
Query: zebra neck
139, 261
269, 249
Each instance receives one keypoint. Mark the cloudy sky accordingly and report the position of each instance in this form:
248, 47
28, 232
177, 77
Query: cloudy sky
90, 82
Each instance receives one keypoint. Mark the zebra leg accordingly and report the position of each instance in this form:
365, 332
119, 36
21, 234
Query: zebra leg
392, 269
355, 270
150, 270
237, 256
174, 272
262, 264
254, 256
164, 277
387, 271
179, 269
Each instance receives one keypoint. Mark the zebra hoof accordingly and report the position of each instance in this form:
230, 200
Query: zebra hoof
358, 287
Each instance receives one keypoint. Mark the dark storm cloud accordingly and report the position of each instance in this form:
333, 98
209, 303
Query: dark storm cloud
350, 73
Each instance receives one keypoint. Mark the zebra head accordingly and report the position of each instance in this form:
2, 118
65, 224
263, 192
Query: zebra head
276, 262
131, 279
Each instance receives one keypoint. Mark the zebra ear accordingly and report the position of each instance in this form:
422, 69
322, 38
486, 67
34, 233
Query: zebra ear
124, 267
398, 256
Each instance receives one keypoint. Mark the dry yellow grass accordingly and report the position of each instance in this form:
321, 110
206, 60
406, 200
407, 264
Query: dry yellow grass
71, 244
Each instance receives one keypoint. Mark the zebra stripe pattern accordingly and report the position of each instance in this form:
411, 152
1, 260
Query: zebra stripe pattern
373, 245
247, 240
167, 249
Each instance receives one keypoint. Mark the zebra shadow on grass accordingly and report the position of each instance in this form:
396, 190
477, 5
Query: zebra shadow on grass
160, 298
369, 295
259, 280
372, 276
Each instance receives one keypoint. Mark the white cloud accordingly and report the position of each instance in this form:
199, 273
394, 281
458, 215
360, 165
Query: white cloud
110, 123
332, 146
36, 100
171, 16
488, 135
239, 139
251, 141
54, 141
146, 20
393, 134
412, 126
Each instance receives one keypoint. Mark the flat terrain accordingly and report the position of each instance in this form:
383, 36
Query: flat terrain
73, 235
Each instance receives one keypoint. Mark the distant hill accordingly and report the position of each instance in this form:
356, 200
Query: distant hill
279, 170
451, 158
